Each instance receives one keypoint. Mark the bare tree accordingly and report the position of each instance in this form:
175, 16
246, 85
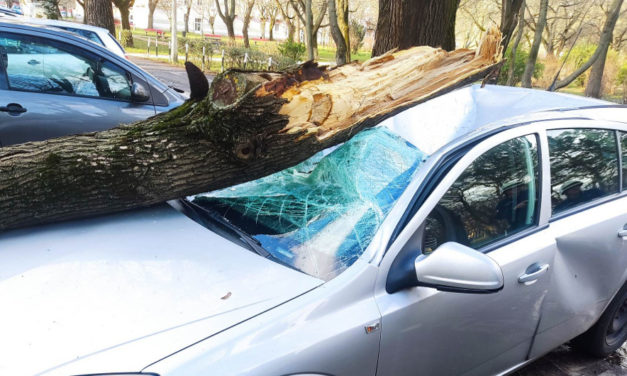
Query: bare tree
535, 47
188, 9
211, 14
247, 12
342, 54
288, 18
227, 16
509, 17
305, 12
152, 6
593, 87
602, 46
125, 7
519, 33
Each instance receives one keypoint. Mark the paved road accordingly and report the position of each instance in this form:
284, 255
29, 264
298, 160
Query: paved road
561, 362
171, 75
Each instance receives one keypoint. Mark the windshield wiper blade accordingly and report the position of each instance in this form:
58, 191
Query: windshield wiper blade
204, 214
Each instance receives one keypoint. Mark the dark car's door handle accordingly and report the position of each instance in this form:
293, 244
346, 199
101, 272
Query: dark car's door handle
533, 272
13, 109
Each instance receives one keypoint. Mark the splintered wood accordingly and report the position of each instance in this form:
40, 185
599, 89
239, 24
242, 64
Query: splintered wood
354, 92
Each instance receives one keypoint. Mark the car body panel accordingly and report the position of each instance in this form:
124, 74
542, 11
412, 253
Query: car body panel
69, 115
136, 278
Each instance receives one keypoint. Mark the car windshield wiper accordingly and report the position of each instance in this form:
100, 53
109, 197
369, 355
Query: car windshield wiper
219, 224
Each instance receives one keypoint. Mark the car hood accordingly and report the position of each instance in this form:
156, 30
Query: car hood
118, 292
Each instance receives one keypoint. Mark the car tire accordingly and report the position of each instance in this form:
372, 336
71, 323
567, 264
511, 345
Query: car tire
610, 332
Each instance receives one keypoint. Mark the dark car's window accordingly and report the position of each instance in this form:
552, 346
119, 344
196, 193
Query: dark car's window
45, 66
84, 33
496, 196
584, 166
623, 138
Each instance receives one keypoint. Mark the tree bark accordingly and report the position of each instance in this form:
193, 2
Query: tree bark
593, 87
341, 49
249, 124
406, 23
519, 33
604, 42
100, 13
535, 47
152, 5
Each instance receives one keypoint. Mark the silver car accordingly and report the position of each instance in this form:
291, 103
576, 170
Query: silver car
54, 83
468, 235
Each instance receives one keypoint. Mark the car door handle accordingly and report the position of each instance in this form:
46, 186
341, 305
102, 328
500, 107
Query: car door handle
623, 233
13, 109
533, 272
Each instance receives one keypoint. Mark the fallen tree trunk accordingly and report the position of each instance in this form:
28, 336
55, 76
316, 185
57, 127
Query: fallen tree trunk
250, 124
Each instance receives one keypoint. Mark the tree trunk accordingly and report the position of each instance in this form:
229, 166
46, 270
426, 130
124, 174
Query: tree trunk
151, 14
512, 57
186, 20
342, 22
309, 29
228, 16
341, 49
262, 26
593, 87
249, 10
604, 42
271, 28
406, 23
250, 124
510, 13
100, 13
535, 47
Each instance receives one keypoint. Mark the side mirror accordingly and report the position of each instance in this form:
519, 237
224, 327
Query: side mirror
139, 93
457, 268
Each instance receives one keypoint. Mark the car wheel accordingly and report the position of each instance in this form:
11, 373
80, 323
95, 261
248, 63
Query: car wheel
610, 332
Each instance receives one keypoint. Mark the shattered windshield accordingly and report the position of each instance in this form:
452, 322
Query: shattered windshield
320, 215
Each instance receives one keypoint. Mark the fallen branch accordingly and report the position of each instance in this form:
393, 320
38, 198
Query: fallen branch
250, 124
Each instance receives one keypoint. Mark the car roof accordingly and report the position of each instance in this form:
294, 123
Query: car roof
473, 110
74, 25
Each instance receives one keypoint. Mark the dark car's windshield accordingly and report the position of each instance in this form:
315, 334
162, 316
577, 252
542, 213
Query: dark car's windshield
320, 215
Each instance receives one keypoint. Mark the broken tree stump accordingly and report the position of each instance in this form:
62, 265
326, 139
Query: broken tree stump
249, 125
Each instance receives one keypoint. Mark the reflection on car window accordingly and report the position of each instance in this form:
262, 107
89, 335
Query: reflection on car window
623, 137
85, 33
322, 214
496, 196
47, 67
584, 166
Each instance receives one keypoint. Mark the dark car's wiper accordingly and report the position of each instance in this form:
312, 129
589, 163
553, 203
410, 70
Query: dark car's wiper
203, 215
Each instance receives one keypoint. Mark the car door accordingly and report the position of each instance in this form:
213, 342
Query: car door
588, 219
492, 200
50, 89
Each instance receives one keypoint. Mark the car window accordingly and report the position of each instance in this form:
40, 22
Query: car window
496, 196
584, 166
623, 138
45, 66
